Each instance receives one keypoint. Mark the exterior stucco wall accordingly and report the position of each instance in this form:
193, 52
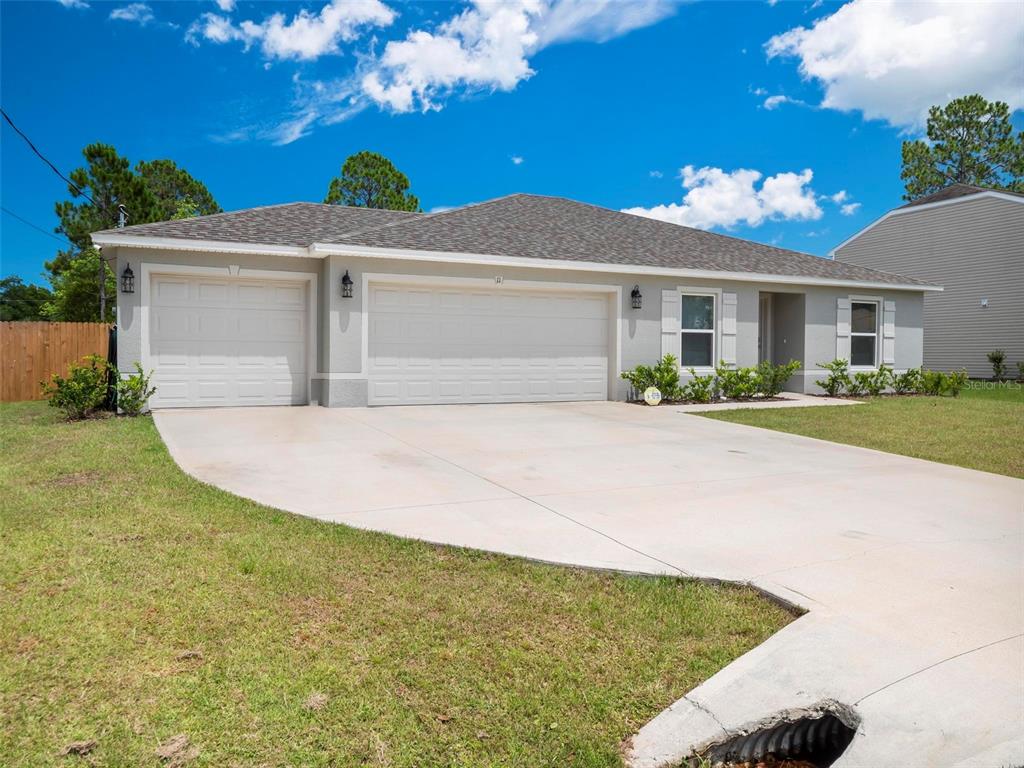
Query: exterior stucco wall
807, 318
974, 248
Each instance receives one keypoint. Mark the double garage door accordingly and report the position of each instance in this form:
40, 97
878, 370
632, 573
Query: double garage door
430, 344
220, 341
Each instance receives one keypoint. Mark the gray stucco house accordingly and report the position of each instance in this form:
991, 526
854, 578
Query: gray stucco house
971, 241
519, 299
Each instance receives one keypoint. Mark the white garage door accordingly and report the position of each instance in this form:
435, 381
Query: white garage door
462, 345
216, 341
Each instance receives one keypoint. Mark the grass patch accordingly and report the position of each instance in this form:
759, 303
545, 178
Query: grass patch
137, 603
981, 429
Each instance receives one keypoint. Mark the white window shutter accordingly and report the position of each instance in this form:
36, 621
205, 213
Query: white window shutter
843, 329
670, 323
728, 329
889, 333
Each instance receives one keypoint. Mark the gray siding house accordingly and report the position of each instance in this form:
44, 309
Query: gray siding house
969, 240
520, 299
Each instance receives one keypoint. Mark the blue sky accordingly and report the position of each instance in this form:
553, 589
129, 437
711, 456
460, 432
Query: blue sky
776, 122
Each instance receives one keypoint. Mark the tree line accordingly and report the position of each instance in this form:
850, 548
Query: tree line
969, 141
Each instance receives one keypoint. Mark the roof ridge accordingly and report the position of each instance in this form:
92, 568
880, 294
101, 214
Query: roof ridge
425, 216
205, 217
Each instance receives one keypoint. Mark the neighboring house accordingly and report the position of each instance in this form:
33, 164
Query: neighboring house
970, 240
519, 299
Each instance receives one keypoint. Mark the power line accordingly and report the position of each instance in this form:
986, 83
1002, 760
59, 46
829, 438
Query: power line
78, 190
28, 223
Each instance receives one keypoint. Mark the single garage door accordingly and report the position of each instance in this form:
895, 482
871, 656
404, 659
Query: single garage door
215, 342
490, 345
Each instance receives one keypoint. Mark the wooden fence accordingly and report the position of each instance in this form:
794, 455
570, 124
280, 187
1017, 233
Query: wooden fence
31, 352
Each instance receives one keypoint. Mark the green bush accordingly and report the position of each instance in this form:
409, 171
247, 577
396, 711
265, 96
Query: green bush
876, 382
772, 378
736, 383
858, 383
906, 383
838, 378
133, 391
700, 389
664, 375
998, 359
84, 390
933, 382
955, 382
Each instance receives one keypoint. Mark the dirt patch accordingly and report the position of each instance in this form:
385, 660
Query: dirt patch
177, 751
315, 701
80, 748
76, 478
189, 655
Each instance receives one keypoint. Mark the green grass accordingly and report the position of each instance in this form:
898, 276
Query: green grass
115, 563
982, 429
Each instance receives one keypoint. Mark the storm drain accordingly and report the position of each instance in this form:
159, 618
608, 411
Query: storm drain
813, 741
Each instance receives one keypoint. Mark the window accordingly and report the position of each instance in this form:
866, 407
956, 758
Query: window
863, 333
697, 346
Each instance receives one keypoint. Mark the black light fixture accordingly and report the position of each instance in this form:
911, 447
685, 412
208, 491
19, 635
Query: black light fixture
638, 299
346, 286
127, 280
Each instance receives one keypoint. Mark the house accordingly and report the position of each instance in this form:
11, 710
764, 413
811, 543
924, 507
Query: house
971, 241
519, 299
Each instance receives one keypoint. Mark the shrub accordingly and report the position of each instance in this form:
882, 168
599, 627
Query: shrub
998, 359
664, 375
772, 378
134, 391
955, 382
700, 389
906, 383
933, 382
1020, 371
84, 390
838, 377
736, 383
858, 383
876, 382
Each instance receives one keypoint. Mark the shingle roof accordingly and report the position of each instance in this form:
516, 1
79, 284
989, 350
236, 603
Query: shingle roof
520, 225
954, 191
296, 224
534, 226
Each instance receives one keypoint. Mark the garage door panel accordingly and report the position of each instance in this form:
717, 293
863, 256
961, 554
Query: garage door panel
443, 344
227, 342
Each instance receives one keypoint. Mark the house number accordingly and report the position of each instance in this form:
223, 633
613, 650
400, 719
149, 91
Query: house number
498, 279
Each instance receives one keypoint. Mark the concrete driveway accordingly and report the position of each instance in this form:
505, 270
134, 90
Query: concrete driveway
912, 572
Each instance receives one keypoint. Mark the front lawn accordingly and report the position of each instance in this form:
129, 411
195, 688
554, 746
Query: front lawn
982, 429
137, 604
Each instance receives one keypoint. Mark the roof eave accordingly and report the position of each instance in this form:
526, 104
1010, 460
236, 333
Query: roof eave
362, 251
211, 246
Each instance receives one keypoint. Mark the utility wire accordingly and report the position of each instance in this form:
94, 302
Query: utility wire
78, 190
36, 227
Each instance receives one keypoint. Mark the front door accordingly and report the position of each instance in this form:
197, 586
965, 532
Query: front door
764, 326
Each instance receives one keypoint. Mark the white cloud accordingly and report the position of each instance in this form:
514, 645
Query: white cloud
849, 209
227, 6
488, 46
774, 101
516, 160
485, 47
655, 174
140, 13
717, 198
839, 197
306, 36
893, 60
73, 3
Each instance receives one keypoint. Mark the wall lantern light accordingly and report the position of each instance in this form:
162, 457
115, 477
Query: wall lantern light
346, 286
127, 280
638, 299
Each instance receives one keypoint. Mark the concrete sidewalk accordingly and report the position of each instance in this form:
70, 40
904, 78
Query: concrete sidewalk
912, 572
